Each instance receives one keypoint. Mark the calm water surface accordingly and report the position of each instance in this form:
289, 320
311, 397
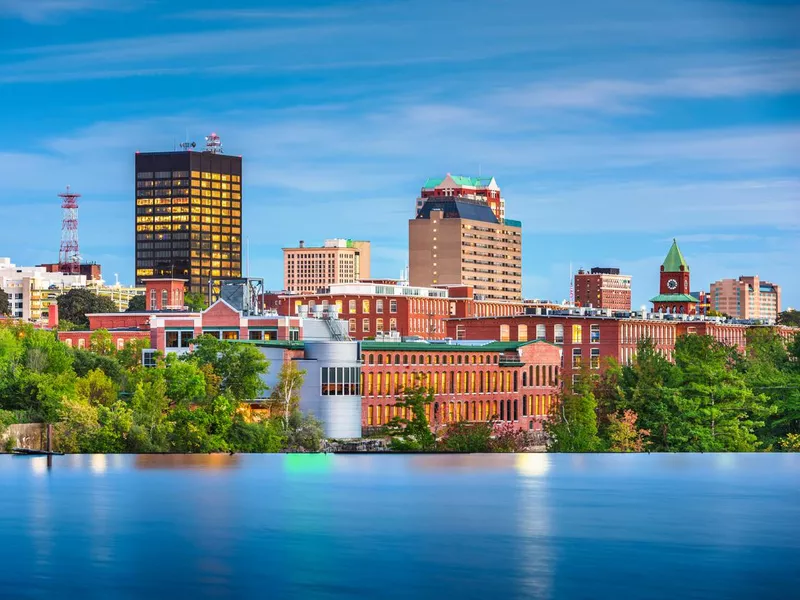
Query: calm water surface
410, 527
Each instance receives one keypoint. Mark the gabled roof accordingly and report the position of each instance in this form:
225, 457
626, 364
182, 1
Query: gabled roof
674, 260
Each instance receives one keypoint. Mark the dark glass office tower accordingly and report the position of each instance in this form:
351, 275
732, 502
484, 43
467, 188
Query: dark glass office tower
189, 217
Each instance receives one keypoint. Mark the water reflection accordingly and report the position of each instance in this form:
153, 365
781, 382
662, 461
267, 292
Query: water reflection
535, 558
187, 461
532, 465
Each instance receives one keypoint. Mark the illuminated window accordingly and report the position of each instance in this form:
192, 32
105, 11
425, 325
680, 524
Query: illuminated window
378, 325
365, 325
576, 358
365, 306
577, 334
522, 333
504, 333
595, 358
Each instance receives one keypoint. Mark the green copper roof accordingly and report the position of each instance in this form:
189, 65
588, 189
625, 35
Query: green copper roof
675, 260
432, 182
674, 298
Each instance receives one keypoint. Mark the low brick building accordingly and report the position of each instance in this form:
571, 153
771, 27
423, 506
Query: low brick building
375, 308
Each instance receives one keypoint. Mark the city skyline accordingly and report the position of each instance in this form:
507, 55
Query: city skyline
692, 136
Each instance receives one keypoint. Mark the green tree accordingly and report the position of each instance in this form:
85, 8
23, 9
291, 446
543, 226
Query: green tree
137, 304
96, 389
204, 429
718, 410
286, 394
101, 342
266, 435
151, 430
5, 306
195, 301
790, 317
412, 434
238, 366
304, 432
772, 372
624, 435
572, 426
185, 382
648, 387
75, 304
464, 436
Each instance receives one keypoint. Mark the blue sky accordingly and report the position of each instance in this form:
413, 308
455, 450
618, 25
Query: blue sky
612, 127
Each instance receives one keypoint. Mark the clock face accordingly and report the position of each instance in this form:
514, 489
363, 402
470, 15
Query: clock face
672, 284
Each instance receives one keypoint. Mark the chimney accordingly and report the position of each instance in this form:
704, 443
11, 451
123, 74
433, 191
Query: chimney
302, 243
52, 315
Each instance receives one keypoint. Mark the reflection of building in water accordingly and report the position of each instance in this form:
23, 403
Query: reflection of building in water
182, 461
465, 462
535, 554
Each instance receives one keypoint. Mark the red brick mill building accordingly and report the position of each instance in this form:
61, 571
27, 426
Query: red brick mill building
517, 382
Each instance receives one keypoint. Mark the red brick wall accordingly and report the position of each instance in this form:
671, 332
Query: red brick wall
478, 389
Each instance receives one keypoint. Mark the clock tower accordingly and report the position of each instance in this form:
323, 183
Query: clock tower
674, 295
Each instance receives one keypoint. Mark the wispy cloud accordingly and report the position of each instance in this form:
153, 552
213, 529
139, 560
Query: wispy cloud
48, 11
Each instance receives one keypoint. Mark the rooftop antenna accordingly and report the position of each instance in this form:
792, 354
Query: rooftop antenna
69, 261
571, 287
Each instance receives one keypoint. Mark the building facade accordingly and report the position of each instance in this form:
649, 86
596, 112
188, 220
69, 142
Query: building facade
189, 217
375, 309
308, 269
92, 271
460, 236
674, 293
746, 298
512, 382
603, 288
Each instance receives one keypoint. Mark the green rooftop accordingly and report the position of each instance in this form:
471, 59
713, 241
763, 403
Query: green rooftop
674, 298
675, 260
432, 182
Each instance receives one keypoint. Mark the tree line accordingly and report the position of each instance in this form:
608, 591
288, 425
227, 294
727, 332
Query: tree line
103, 400
709, 398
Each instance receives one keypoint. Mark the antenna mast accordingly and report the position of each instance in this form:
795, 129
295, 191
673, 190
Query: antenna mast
69, 260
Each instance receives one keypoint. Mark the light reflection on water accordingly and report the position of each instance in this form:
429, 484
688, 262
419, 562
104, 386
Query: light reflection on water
399, 526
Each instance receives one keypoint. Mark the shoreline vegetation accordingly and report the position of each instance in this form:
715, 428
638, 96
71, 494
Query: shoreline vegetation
709, 398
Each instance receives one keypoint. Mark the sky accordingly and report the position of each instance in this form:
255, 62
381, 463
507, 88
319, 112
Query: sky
612, 127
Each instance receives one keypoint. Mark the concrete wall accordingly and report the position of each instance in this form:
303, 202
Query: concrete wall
27, 435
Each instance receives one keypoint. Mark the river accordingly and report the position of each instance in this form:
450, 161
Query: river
405, 527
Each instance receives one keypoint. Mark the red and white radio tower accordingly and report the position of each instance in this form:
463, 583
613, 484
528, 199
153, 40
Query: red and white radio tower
69, 260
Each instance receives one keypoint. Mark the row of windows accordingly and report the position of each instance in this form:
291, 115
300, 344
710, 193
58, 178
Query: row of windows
448, 382
184, 174
577, 358
476, 410
340, 381
365, 325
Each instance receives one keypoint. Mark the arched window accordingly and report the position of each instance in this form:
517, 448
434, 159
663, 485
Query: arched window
524, 379
516, 414
164, 299
421, 359
524, 403
515, 381
436, 412
459, 359
413, 359
397, 359
502, 410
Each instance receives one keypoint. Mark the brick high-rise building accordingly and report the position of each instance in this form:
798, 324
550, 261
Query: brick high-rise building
311, 269
746, 298
460, 236
603, 288
189, 216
